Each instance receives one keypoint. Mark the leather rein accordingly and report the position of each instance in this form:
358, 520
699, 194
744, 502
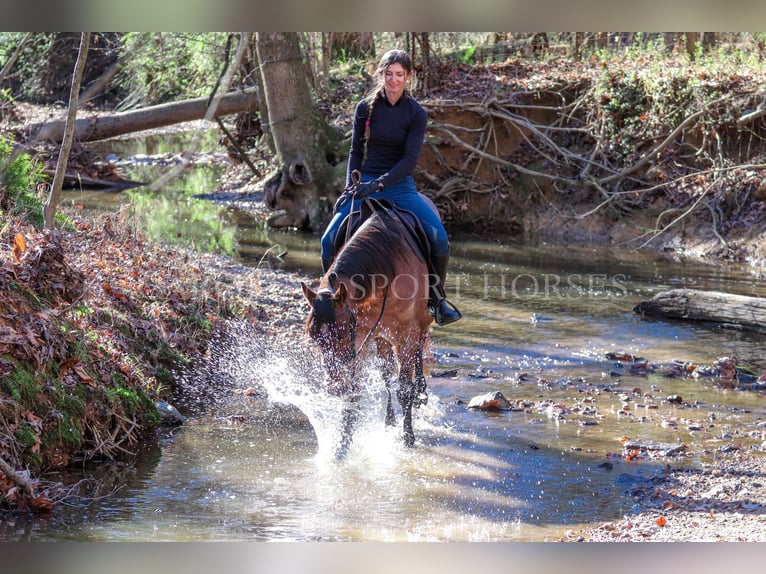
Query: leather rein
367, 337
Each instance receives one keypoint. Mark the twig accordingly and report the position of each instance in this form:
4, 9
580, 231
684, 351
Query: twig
747, 118
665, 143
503, 162
677, 219
17, 478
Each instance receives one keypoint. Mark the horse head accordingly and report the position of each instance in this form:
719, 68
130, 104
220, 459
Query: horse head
331, 324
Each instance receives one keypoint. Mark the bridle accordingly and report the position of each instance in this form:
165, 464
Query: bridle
353, 321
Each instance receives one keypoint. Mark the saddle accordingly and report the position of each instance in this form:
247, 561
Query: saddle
416, 235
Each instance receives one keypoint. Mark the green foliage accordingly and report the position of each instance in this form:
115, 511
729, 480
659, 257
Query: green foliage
69, 410
161, 67
468, 54
644, 95
26, 77
20, 384
19, 176
27, 439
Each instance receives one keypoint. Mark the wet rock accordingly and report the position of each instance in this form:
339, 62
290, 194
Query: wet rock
170, 414
622, 356
665, 449
492, 401
448, 374
482, 373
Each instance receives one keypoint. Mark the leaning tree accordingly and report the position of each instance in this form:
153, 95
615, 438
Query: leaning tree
309, 151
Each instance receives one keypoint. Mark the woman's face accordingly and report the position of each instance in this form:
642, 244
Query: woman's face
396, 77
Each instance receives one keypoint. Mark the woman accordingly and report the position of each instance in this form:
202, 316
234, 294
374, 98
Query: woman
389, 128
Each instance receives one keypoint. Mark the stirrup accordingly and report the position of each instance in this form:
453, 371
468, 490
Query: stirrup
444, 312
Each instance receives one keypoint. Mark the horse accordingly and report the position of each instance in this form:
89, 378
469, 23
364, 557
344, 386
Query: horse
376, 289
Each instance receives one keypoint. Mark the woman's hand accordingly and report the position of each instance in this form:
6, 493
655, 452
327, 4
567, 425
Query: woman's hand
342, 200
367, 188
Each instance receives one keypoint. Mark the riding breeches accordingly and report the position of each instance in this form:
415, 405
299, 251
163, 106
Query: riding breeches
403, 194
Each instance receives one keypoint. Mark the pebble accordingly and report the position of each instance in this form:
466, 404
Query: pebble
710, 503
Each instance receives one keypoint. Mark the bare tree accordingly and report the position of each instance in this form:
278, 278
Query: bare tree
51, 204
12, 60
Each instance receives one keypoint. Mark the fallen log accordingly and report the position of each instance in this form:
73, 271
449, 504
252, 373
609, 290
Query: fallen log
726, 309
78, 180
104, 127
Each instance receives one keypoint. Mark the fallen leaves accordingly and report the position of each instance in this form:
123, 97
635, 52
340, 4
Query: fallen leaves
19, 246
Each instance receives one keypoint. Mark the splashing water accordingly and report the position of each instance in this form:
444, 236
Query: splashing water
293, 375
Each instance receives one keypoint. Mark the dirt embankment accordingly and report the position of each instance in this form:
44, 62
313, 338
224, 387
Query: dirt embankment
645, 153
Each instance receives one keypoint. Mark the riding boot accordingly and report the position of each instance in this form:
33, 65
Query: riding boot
441, 310
326, 262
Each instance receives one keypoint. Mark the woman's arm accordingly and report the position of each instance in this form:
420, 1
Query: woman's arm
356, 153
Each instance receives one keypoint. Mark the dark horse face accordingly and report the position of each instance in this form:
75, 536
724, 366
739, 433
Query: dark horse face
331, 324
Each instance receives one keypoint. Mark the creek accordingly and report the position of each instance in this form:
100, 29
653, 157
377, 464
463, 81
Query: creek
539, 323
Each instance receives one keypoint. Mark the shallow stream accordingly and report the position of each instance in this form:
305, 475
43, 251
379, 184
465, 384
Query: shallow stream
538, 324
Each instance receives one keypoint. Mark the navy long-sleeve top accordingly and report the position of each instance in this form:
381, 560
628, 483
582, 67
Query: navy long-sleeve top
396, 138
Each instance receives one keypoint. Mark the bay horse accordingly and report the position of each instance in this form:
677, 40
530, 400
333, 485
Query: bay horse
376, 289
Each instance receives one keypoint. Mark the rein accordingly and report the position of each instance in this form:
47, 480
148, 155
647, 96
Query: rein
375, 326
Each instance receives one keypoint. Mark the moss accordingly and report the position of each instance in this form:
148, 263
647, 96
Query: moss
68, 433
27, 440
20, 384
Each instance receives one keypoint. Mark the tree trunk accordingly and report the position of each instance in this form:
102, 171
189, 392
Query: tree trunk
709, 41
51, 204
99, 128
690, 39
739, 311
425, 48
308, 179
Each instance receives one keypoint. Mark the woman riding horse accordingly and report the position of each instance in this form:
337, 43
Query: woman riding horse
376, 289
388, 132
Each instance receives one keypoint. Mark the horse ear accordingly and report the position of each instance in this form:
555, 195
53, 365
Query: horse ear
340, 295
308, 293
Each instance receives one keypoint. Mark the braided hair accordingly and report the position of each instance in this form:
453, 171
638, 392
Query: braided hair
390, 57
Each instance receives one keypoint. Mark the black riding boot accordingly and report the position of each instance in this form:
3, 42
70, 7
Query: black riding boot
326, 265
442, 310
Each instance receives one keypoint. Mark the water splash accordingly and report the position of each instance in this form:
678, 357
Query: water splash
293, 375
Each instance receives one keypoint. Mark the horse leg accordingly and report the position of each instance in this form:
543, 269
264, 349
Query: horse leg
421, 396
406, 395
386, 353
349, 418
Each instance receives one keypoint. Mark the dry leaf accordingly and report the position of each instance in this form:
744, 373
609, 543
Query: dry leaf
84, 377
41, 503
68, 364
19, 246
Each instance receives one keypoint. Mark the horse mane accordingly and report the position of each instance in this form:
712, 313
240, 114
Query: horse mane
372, 251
